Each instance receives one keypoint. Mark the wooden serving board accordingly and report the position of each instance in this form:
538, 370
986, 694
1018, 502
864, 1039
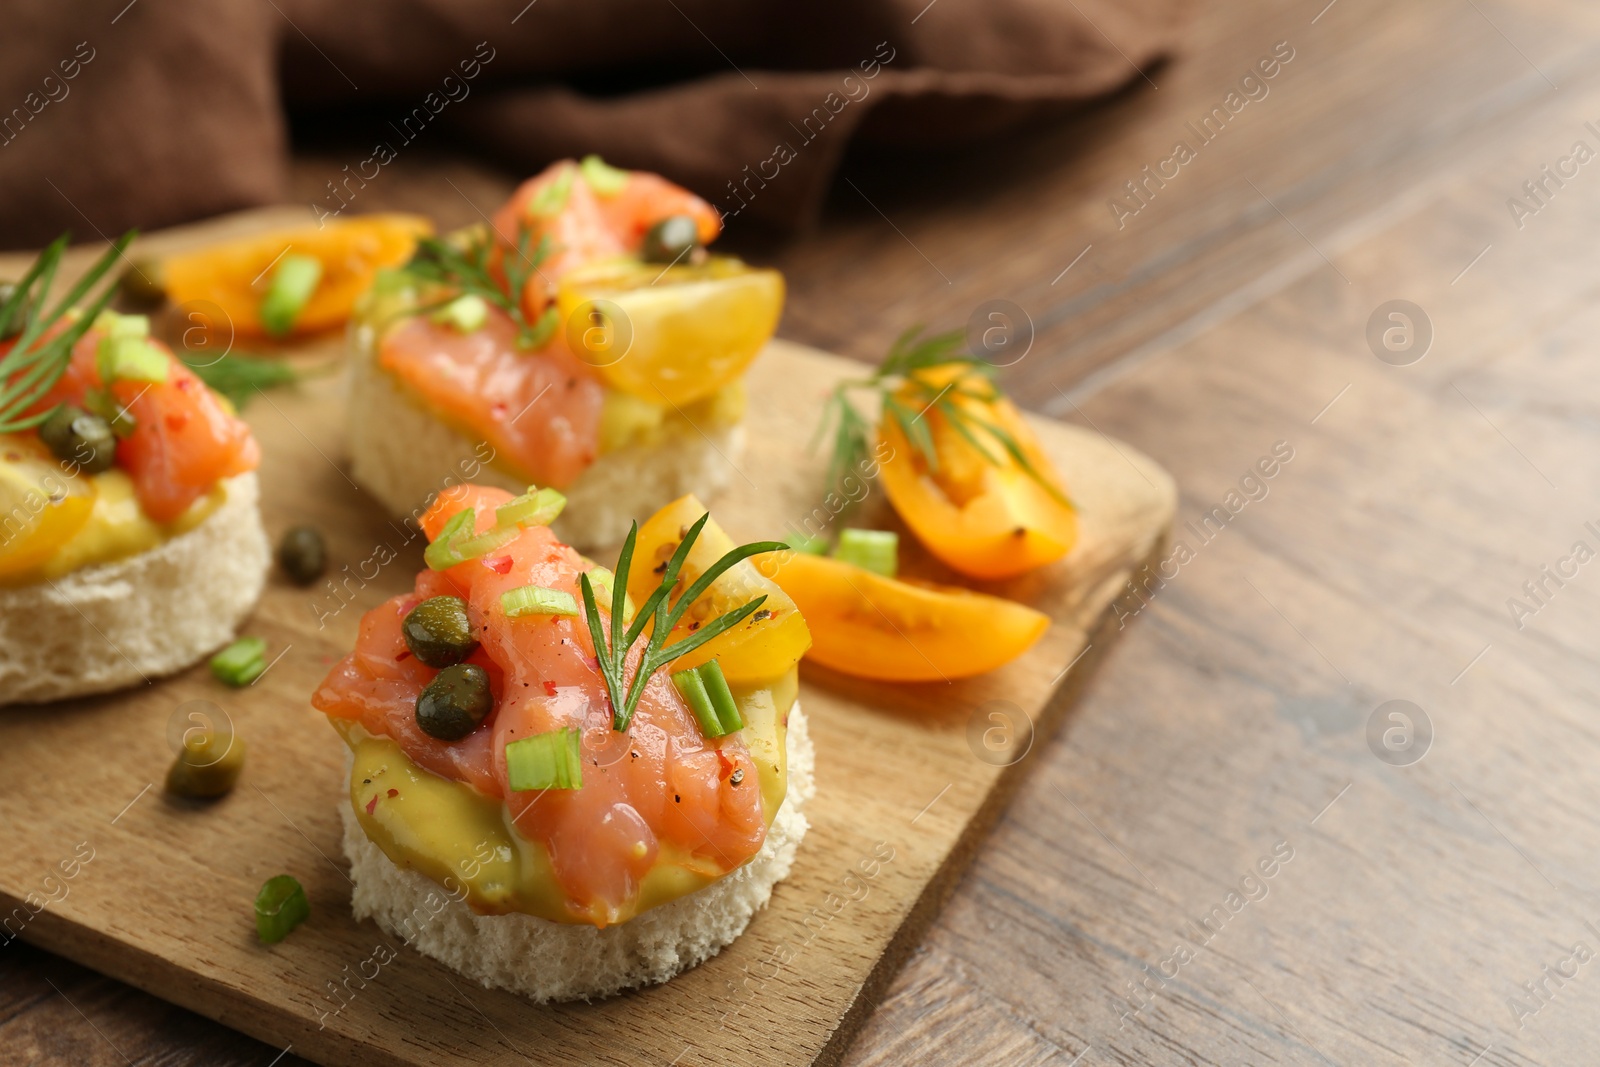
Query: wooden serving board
909, 777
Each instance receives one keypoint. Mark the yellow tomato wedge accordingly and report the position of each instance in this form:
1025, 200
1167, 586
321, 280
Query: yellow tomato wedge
235, 275
983, 518
761, 648
41, 505
899, 631
669, 334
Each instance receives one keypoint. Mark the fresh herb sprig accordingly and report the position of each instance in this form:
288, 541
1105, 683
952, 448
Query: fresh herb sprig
239, 378
469, 270
35, 362
900, 373
612, 651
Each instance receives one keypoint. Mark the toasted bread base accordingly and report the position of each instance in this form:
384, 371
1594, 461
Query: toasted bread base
118, 624
548, 961
403, 455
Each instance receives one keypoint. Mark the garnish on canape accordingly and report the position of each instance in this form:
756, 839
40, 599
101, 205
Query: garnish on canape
561, 756
585, 339
130, 538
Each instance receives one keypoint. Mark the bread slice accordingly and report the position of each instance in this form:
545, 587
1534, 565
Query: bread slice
403, 455
112, 625
549, 961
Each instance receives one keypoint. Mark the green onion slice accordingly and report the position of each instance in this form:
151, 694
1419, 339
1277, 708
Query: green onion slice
537, 600
280, 907
874, 550
536, 507
241, 662
705, 690
455, 543
606, 181
466, 313
113, 324
293, 281
811, 546
602, 579
551, 760
553, 197
130, 358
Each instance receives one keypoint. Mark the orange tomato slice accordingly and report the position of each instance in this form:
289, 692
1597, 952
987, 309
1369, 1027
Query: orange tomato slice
234, 275
898, 631
984, 519
764, 646
42, 505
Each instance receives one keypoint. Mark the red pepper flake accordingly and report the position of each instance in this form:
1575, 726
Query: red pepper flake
549, 689
393, 793
725, 763
404, 655
372, 804
177, 421
498, 564
498, 411
186, 384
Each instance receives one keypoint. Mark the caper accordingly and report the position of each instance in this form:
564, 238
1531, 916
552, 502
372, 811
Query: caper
438, 632
208, 765
302, 555
19, 317
455, 702
670, 240
77, 437
142, 284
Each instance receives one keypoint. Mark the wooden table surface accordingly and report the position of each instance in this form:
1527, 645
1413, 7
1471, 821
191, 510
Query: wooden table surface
1235, 852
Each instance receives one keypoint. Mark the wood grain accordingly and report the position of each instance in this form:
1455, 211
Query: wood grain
163, 902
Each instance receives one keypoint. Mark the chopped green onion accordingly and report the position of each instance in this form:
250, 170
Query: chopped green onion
455, 543
551, 199
113, 324
473, 547
705, 690
607, 181
441, 553
280, 907
132, 359
602, 579
545, 761
811, 546
537, 600
536, 507
466, 313
873, 550
293, 281
721, 696
241, 662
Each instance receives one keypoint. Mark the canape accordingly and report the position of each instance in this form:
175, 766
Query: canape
585, 340
563, 781
130, 537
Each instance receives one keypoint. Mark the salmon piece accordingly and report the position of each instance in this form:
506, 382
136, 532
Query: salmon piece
590, 227
663, 783
538, 410
184, 440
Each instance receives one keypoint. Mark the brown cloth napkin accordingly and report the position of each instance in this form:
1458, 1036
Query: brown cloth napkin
153, 112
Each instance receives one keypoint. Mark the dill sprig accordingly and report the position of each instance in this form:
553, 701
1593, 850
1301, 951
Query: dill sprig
239, 377
469, 269
900, 373
612, 651
36, 362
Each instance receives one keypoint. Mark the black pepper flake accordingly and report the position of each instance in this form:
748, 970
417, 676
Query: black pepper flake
635, 755
660, 568
761, 616
676, 799
1020, 531
737, 776
366, 781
